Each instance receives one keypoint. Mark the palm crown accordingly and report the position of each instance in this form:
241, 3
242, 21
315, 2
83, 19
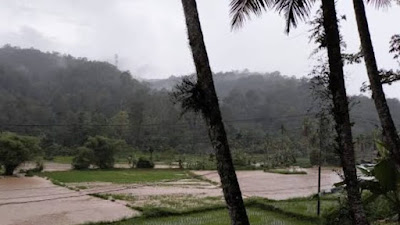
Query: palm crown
293, 10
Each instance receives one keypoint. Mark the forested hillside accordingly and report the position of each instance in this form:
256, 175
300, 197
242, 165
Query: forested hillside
276, 99
66, 99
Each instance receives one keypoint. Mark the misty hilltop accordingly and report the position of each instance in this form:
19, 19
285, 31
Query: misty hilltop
40, 89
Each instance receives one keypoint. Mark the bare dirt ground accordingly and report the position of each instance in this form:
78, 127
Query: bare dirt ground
33, 201
279, 186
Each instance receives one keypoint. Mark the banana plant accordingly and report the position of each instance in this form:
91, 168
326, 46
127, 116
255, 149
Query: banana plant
382, 179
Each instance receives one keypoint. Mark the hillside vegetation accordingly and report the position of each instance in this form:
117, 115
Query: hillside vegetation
66, 99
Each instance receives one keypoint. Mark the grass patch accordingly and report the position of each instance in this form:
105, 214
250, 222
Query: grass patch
180, 210
175, 210
150, 211
301, 207
215, 217
166, 204
120, 176
286, 171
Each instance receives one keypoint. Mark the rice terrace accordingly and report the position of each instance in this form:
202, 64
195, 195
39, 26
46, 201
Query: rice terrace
199, 112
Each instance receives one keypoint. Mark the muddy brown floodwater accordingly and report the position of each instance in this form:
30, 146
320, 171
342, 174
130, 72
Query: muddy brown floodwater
280, 186
34, 201
252, 183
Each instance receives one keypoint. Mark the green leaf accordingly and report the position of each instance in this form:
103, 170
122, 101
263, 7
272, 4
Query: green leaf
387, 175
383, 151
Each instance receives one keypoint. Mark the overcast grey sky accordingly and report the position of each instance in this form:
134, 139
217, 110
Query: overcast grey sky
150, 37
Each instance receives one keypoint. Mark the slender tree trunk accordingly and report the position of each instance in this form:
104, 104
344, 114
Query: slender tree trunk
389, 129
212, 116
341, 112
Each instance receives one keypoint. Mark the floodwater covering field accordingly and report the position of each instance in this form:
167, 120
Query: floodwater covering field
157, 196
34, 200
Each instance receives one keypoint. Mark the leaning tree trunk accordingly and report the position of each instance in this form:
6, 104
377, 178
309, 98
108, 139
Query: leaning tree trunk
389, 129
341, 112
212, 116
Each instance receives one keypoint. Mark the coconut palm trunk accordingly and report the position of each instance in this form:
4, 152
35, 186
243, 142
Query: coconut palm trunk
389, 129
212, 115
341, 112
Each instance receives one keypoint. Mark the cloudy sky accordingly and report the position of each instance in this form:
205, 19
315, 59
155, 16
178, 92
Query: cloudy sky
149, 36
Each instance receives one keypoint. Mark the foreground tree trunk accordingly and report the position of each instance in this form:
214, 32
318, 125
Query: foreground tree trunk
341, 112
212, 116
389, 129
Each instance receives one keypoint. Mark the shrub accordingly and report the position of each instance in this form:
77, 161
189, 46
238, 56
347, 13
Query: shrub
132, 161
378, 209
144, 163
104, 150
339, 215
240, 159
83, 159
16, 149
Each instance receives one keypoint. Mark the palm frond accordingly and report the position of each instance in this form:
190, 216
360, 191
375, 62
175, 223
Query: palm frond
242, 9
294, 10
380, 3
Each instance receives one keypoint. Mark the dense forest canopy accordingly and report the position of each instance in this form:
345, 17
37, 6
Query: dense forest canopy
66, 99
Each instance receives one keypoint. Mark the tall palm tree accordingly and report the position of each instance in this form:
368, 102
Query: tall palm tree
392, 139
212, 115
294, 9
341, 111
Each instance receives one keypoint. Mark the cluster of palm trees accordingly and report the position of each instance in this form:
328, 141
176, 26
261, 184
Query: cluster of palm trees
293, 11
